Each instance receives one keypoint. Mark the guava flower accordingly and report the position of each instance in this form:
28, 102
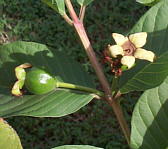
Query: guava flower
131, 48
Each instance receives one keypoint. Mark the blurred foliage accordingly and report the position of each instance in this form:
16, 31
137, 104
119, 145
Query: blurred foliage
30, 20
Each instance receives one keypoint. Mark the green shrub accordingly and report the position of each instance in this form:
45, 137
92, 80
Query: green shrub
30, 20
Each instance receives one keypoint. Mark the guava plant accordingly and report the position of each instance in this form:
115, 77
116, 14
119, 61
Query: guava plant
49, 83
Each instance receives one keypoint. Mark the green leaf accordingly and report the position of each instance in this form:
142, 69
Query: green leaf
57, 103
148, 2
147, 75
150, 119
57, 5
8, 136
76, 147
2, 2
150, 76
84, 2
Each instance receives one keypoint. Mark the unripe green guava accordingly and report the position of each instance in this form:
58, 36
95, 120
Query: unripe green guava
39, 80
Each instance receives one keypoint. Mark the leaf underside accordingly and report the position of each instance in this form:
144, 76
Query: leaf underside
57, 103
148, 2
8, 137
84, 2
57, 5
76, 147
150, 119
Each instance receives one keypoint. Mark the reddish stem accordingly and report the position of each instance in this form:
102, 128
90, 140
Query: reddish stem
114, 104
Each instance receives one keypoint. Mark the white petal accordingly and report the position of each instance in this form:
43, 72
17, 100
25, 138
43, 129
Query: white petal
145, 55
128, 61
138, 39
116, 50
119, 39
